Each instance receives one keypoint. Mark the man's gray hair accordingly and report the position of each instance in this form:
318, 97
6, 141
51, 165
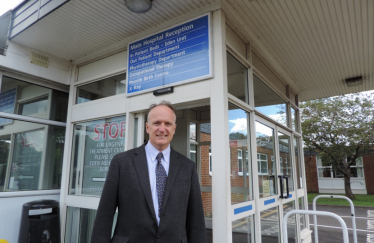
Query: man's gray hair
163, 103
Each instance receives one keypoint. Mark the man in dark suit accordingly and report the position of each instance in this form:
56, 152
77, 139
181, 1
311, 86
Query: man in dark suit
155, 188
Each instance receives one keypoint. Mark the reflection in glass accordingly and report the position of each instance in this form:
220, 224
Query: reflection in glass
270, 225
136, 125
79, 224
243, 230
30, 156
269, 103
102, 88
22, 98
5, 146
267, 170
291, 222
205, 132
324, 172
36, 107
237, 78
193, 152
302, 216
193, 131
205, 157
285, 159
295, 123
299, 169
94, 145
241, 173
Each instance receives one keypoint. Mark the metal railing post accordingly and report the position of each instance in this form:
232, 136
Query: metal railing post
320, 213
352, 214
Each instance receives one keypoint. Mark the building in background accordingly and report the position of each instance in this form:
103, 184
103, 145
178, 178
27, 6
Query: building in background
324, 179
77, 77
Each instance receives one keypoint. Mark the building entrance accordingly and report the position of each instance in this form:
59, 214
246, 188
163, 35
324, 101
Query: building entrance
193, 139
276, 173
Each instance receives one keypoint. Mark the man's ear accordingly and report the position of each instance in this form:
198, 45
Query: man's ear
146, 127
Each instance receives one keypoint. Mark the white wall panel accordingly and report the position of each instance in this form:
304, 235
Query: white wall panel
268, 73
18, 58
115, 105
356, 183
103, 67
235, 42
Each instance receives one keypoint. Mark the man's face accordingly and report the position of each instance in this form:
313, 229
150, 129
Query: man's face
161, 126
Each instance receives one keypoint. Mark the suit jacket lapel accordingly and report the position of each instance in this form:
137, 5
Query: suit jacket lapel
140, 163
173, 170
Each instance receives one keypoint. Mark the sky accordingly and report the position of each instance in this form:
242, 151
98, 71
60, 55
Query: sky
6, 5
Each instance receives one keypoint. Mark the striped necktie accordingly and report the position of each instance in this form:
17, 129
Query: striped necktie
160, 181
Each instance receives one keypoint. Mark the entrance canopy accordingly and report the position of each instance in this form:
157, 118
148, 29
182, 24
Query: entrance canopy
313, 45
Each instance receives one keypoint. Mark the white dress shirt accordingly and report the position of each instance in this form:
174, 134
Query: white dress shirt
151, 153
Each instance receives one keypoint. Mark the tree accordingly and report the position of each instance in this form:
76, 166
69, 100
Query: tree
341, 128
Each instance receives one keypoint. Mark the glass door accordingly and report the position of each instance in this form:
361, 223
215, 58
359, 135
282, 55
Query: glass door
286, 181
275, 181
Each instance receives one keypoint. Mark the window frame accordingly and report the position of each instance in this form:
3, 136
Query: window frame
259, 162
332, 172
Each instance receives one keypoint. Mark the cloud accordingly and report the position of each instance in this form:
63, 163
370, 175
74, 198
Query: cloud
281, 118
264, 130
240, 125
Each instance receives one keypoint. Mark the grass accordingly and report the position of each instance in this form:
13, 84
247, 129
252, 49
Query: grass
361, 200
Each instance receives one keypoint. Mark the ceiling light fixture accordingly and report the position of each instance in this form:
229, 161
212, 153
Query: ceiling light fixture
354, 81
139, 6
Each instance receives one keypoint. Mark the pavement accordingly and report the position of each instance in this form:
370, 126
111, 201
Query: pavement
329, 229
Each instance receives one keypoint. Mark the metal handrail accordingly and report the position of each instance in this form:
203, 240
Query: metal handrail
352, 214
320, 213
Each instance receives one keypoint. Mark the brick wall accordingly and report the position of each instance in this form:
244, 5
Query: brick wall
207, 203
369, 172
311, 173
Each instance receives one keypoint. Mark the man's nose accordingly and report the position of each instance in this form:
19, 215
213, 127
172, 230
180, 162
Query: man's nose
162, 127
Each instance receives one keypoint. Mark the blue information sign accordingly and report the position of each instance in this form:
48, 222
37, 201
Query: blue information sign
7, 104
178, 55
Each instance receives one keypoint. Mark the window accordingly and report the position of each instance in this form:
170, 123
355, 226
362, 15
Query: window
281, 165
267, 169
27, 99
241, 176
94, 145
31, 153
80, 222
193, 152
294, 119
30, 156
237, 78
35, 108
329, 172
193, 131
102, 88
299, 167
262, 160
240, 162
268, 102
210, 162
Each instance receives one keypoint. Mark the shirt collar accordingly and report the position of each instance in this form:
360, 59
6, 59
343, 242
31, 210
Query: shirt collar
154, 152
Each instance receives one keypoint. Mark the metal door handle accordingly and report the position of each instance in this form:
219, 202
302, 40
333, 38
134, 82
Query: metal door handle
288, 189
281, 186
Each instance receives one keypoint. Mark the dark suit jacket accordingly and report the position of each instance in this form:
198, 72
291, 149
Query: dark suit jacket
127, 187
